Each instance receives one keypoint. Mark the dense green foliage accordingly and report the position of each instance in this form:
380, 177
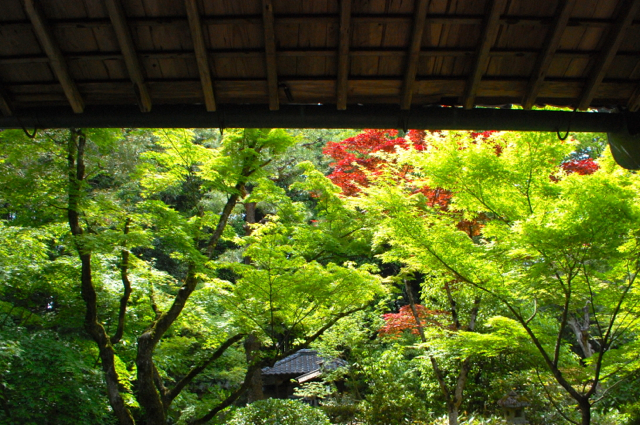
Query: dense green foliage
278, 412
147, 276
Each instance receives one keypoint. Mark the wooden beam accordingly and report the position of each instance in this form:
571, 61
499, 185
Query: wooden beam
202, 57
384, 115
626, 14
270, 54
342, 83
414, 53
318, 18
551, 43
392, 52
53, 52
131, 60
490, 28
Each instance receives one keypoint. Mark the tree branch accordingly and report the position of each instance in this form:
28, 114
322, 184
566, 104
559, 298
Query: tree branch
124, 270
173, 393
232, 397
76, 176
553, 403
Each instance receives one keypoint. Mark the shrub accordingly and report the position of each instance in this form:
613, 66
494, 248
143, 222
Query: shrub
278, 412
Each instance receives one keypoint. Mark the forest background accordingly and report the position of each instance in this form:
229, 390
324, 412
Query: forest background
147, 276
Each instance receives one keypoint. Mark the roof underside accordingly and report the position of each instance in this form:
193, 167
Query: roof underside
82, 55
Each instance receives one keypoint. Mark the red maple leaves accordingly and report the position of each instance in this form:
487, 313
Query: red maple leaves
404, 320
355, 161
355, 157
580, 166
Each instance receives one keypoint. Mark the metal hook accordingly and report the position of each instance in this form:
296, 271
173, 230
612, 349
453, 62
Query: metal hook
563, 138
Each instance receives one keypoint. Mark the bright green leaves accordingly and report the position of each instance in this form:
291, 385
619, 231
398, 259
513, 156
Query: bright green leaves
243, 155
285, 293
274, 200
504, 175
294, 278
501, 335
32, 176
557, 251
177, 162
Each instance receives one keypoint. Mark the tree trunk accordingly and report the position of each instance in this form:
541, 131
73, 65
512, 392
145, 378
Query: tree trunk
76, 174
452, 411
585, 411
252, 350
581, 330
148, 395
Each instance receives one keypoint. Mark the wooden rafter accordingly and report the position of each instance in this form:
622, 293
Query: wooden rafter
551, 43
202, 56
342, 83
270, 54
627, 12
5, 105
634, 101
53, 52
414, 54
131, 60
490, 28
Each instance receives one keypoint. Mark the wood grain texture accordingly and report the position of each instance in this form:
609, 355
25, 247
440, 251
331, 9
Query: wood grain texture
490, 29
411, 53
626, 14
53, 52
343, 54
132, 62
270, 54
413, 57
551, 43
202, 56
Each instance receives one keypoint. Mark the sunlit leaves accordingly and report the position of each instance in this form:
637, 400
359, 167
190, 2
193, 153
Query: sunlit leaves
282, 291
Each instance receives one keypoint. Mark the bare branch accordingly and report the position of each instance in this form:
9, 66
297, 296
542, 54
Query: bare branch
552, 401
535, 312
188, 378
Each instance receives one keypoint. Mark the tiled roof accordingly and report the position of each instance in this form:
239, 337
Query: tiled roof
304, 361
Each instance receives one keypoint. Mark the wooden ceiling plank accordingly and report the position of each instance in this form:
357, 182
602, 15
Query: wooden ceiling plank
270, 54
490, 28
131, 59
53, 52
624, 19
413, 58
343, 54
551, 43
202, 56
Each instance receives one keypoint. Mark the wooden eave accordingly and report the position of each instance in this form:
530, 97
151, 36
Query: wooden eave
78, 55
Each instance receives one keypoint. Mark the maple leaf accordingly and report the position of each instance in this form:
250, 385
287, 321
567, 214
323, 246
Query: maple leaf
397, 323
582, 166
